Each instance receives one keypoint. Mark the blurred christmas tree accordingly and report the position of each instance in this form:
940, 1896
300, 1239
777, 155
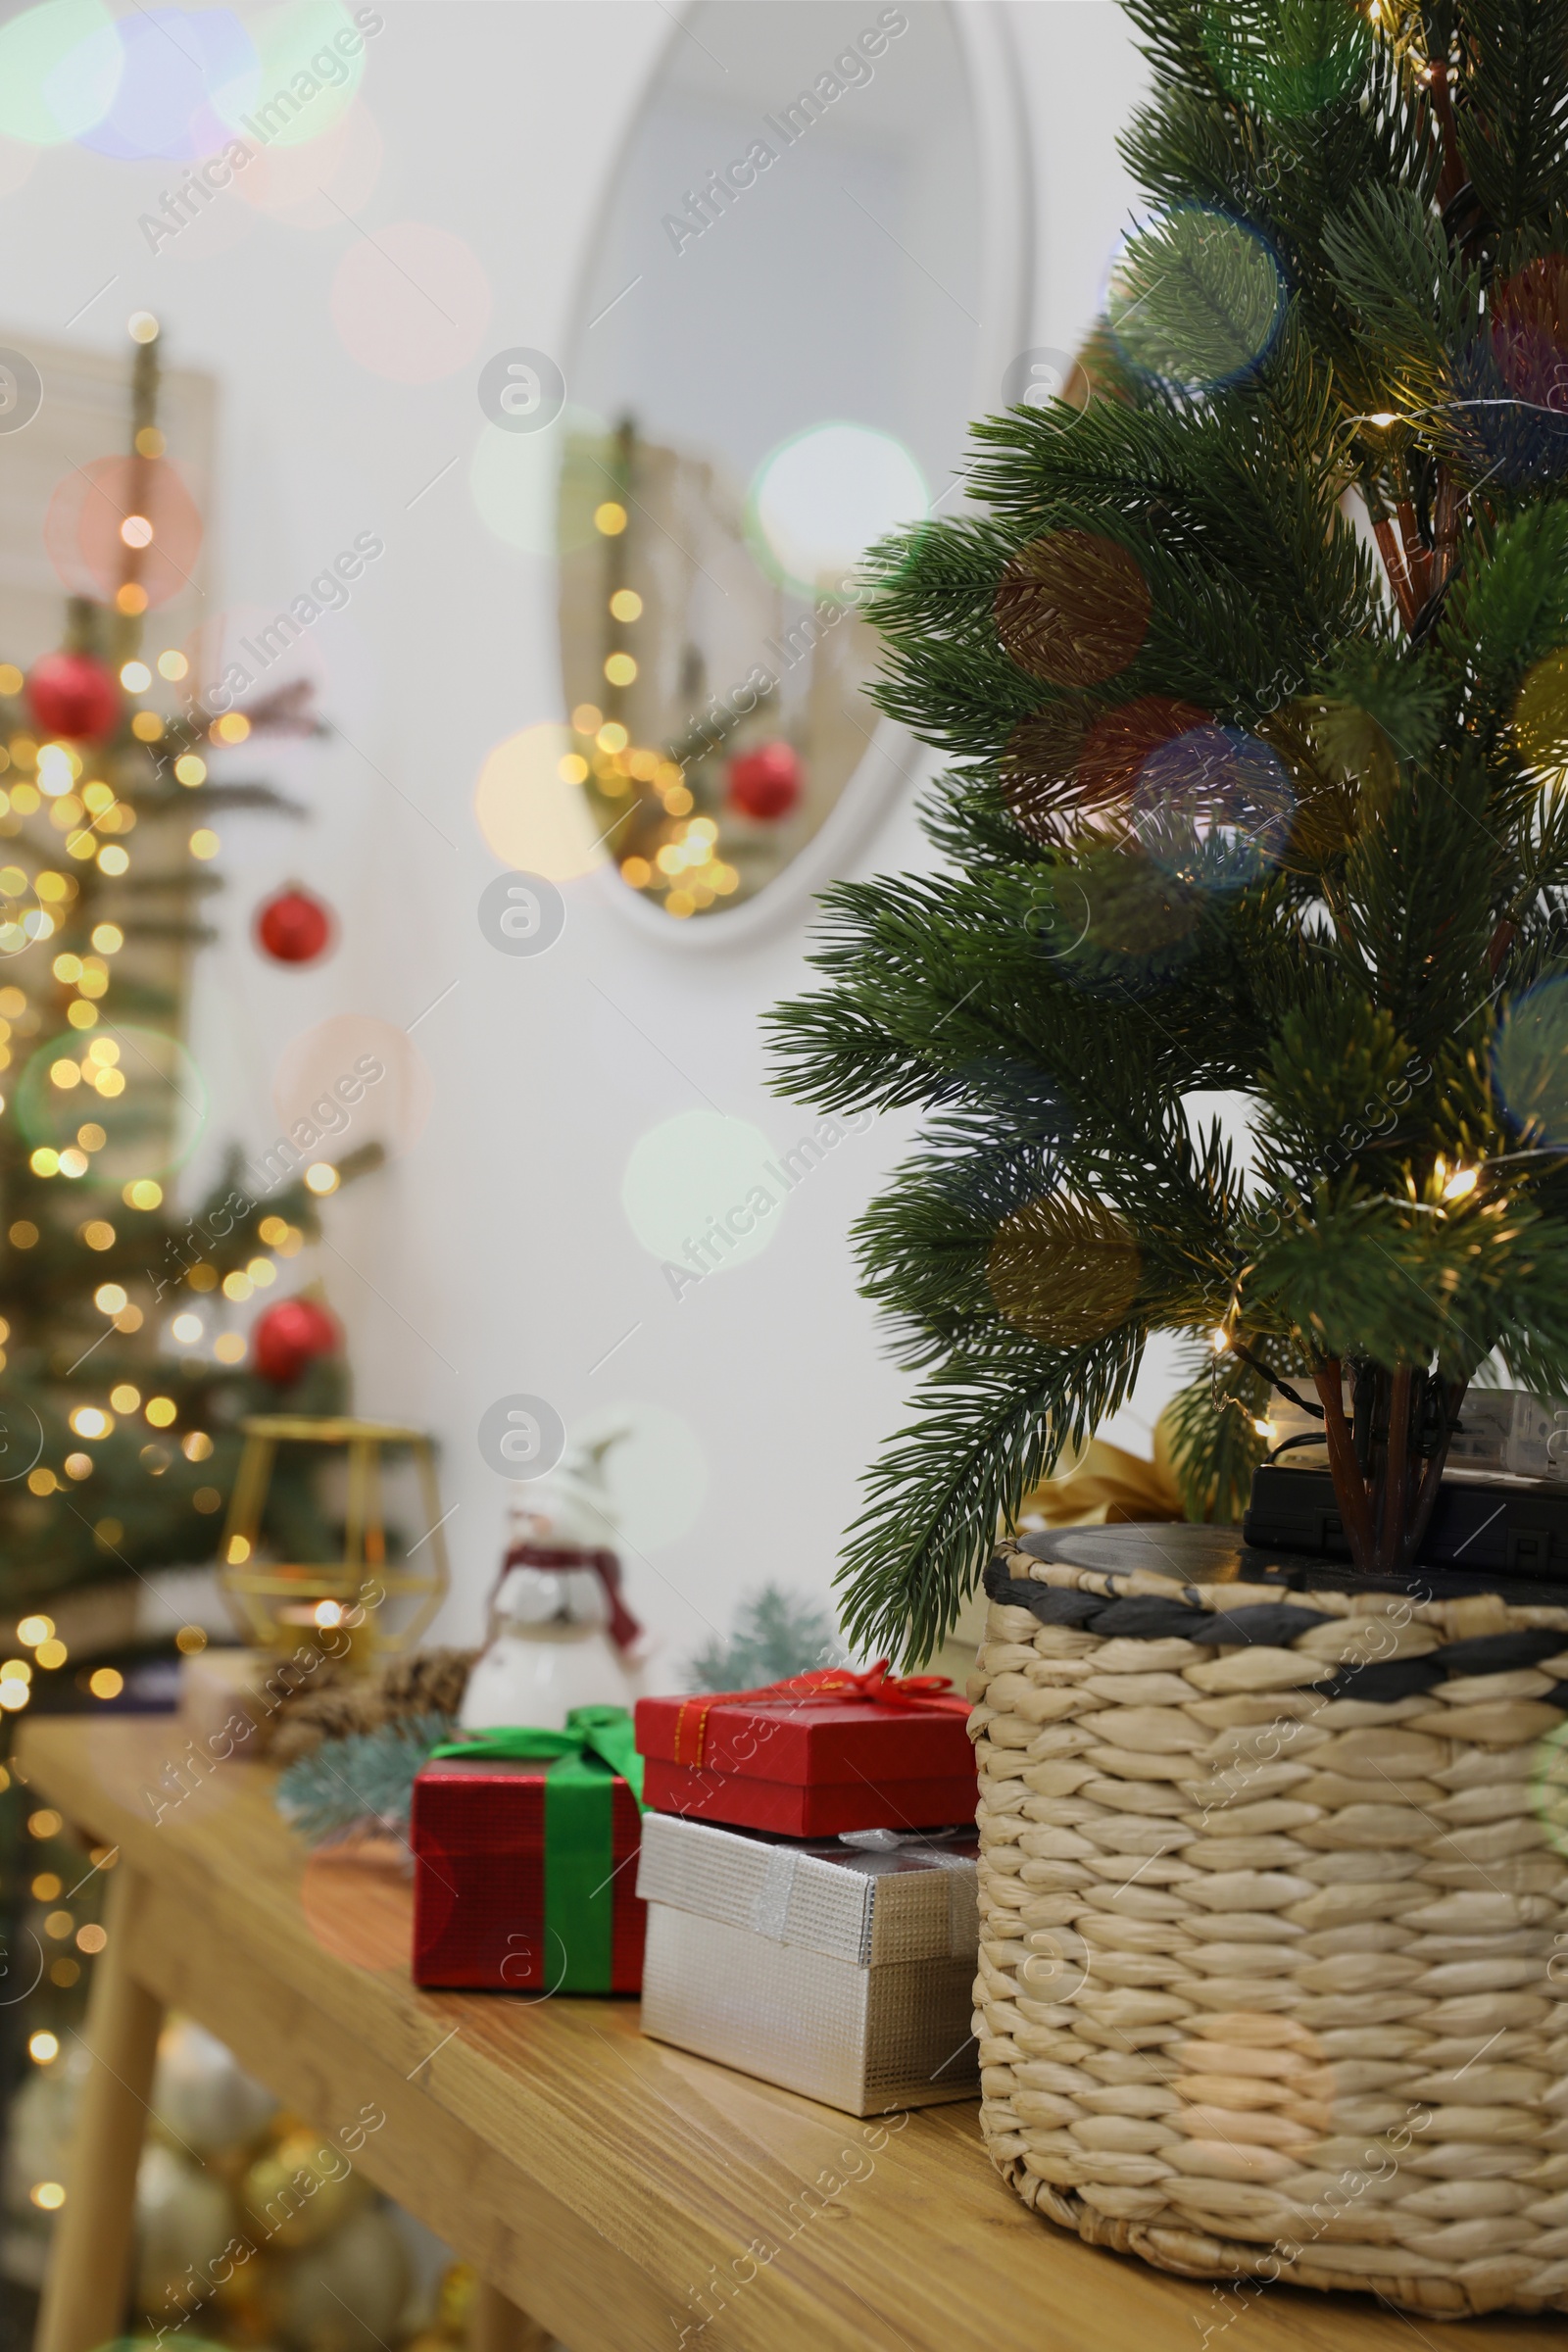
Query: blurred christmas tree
115, 1451
775, 1635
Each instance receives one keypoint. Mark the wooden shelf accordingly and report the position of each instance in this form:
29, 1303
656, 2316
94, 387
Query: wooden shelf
604, 2183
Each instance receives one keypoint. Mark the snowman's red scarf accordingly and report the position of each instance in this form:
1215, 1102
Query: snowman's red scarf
624, 1627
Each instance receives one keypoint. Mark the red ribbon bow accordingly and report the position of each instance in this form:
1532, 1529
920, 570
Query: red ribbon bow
909, 1693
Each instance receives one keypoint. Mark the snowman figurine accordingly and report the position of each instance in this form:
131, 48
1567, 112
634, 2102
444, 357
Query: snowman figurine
559, 1635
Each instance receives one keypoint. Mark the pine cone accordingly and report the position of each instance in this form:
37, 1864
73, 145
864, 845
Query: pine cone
333, 1704
430, 1683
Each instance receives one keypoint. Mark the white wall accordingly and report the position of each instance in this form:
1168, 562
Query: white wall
494, 1255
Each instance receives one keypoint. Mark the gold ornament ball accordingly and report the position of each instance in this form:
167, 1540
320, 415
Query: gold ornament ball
449, 2326
247, 2302
302, 2191
454, 2301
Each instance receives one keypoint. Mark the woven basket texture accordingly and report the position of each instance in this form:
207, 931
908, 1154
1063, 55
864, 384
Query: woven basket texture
1274, 1929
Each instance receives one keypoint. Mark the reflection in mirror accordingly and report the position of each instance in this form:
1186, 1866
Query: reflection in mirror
773, 369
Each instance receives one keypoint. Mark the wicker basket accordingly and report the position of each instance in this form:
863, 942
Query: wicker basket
1273, 1894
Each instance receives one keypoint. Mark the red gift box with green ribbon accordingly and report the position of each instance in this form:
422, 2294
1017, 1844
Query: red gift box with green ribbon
525, 1860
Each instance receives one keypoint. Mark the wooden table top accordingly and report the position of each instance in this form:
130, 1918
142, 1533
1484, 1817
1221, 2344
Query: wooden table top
610, 2184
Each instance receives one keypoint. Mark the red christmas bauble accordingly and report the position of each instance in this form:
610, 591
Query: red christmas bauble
73, 695
292, 927
766, 784
288, 1337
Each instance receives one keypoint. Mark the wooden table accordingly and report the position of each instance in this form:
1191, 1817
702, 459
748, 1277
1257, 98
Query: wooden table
619, 2191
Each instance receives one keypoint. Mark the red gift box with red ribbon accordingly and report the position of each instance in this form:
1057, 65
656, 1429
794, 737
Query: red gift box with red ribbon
814, 1755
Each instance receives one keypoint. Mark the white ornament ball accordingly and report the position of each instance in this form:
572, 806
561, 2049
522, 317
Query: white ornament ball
347, 2293
184, 2219
203, 2096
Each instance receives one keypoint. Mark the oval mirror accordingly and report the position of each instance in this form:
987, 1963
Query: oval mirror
808, 276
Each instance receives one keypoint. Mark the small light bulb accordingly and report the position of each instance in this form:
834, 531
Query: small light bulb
1383, 419
1461, 1183
1219, 1341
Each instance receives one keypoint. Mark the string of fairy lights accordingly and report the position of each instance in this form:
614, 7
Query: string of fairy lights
684, 868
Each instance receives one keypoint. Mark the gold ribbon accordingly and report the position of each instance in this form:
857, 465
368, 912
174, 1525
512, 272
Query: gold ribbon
1109, 1487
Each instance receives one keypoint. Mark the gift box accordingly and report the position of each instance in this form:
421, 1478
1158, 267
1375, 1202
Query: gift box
845, 1970
811, 1757
524, 1860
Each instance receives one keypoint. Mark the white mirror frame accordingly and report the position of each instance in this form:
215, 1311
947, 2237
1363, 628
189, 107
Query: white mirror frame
1006, 276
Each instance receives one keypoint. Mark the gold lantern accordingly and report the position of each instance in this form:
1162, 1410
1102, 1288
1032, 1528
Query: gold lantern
278, 1605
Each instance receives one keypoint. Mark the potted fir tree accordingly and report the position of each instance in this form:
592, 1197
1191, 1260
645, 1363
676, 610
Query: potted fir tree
1252, 666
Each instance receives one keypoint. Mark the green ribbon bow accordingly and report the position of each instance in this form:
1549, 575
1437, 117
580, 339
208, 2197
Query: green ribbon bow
598, 1744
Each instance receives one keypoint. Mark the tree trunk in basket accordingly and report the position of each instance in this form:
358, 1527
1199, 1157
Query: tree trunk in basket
1386, 1460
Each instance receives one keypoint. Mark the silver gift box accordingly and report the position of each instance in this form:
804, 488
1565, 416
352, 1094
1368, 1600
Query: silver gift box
842, 1971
